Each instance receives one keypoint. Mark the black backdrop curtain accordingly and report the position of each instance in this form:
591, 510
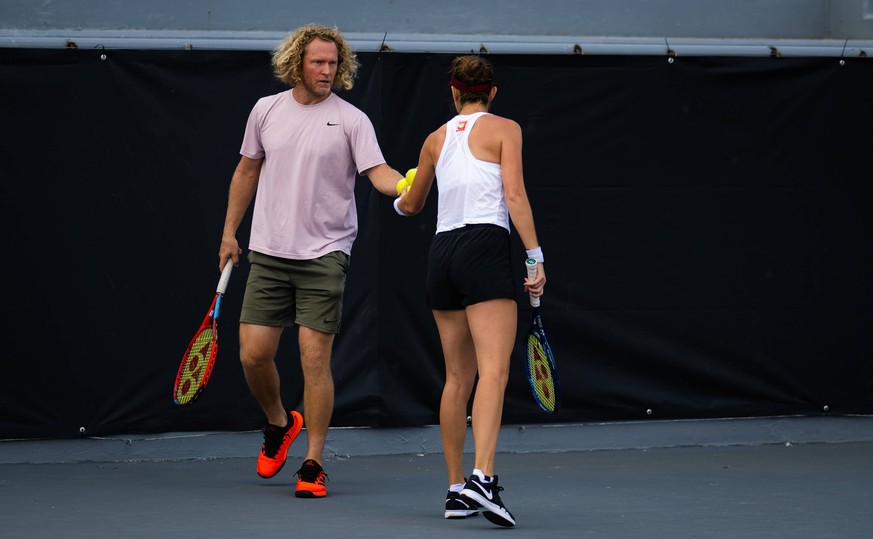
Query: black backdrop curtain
705, 223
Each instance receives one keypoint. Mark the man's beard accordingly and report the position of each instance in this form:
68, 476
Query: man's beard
314, 89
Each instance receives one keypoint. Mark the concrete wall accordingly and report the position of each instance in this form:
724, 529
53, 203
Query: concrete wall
449, 25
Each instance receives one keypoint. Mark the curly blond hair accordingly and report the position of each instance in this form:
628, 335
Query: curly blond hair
288, 56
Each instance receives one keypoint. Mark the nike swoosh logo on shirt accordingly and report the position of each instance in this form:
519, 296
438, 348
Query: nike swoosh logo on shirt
328, 123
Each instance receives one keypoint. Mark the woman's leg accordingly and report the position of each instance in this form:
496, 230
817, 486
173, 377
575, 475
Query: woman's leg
493, 325
460, 360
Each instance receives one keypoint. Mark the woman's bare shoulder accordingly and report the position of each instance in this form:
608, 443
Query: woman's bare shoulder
437, 136
493, 121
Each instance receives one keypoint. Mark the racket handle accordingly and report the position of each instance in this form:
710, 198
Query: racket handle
531, 266
225, 277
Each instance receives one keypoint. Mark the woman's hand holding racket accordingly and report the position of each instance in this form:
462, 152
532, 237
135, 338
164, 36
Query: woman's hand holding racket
542, 374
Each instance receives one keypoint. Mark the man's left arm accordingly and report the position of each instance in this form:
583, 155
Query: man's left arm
384, 179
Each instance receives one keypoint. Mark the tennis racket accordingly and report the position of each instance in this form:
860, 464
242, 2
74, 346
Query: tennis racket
199, 357
540, 366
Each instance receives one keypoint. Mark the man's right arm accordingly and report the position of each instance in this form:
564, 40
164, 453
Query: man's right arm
242, 190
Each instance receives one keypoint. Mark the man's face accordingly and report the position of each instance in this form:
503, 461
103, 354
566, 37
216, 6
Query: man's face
319, 67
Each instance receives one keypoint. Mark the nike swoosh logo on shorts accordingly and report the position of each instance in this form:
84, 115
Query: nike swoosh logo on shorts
330, 124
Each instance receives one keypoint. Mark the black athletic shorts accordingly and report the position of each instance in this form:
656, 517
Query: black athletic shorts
469, 265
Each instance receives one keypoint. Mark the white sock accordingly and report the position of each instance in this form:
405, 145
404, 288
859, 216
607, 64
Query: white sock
481, 475
457, 487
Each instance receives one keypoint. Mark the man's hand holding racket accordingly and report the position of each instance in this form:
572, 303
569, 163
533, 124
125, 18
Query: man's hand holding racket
229, 251
199, 357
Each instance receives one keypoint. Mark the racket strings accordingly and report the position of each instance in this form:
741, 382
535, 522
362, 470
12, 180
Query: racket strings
540, 374
194, 369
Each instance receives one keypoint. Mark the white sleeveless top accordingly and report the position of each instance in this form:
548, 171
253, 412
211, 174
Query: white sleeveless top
470, 190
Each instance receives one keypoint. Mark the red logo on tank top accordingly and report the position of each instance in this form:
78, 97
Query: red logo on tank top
461, 126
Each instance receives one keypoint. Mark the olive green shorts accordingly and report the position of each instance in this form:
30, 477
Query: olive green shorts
282, 292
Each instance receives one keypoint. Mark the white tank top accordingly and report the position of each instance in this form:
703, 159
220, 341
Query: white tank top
470, 190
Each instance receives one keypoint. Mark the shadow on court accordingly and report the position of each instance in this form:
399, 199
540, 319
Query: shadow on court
796, 484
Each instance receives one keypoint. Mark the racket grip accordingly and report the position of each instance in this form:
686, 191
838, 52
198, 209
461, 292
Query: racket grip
531, 266
225, 277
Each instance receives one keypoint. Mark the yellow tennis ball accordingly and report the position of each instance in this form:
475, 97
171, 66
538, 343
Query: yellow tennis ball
401, 185
410, 175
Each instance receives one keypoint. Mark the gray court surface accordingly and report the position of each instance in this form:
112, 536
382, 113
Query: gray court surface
749, 478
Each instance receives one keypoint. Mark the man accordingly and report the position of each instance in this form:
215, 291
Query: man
300, 154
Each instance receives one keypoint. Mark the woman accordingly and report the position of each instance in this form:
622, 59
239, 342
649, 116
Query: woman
476, 158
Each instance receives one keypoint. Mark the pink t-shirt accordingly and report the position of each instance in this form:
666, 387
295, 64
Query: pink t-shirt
305, 202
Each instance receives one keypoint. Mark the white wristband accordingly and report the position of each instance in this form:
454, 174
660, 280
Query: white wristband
399, 212
536, 253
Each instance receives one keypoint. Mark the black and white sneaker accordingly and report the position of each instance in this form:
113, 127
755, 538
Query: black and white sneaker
457, 507
486, 496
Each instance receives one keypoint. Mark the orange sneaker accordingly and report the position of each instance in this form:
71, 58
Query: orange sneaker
311, 480
277, 441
